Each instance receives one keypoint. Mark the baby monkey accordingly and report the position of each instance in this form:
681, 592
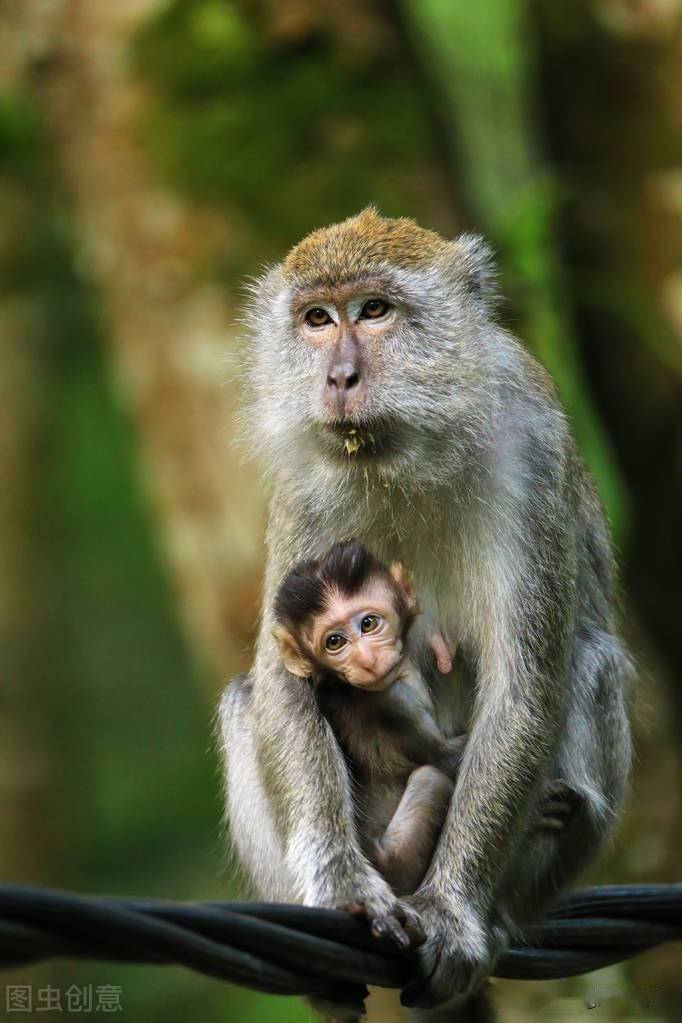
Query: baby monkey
342, 622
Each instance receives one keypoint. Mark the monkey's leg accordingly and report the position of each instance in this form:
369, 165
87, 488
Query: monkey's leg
575, 812
552, 856
404, 851
451, 757
578, 811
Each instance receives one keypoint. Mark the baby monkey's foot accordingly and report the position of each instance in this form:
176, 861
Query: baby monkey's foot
396, 923
557, 808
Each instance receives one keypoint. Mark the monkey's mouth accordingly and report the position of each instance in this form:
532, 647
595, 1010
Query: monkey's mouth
356, 439
353, 441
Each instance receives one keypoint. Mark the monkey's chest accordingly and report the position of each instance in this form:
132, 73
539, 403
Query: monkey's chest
435, 567
381, 734
380, 757
384, 737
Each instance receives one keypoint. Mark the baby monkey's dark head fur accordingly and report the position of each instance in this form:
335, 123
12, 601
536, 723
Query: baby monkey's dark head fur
347, 567
346, 613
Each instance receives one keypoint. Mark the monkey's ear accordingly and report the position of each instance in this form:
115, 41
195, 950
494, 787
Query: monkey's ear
403, 582
475, 264
294, 660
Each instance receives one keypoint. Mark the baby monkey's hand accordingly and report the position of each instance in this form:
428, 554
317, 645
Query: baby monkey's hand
443, 652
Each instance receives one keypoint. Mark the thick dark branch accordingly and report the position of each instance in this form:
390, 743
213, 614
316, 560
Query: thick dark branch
293, 950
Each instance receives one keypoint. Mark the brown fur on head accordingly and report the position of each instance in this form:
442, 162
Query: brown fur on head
334, 596
359, 246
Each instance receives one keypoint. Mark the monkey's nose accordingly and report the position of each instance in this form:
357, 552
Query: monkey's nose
366, 659
343, 378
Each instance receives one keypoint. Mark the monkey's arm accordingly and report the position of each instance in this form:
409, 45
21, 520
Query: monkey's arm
522, 669
302, 771
442, 652
304, 774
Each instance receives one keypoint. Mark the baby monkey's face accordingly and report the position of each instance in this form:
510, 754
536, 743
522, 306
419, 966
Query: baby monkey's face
360, 637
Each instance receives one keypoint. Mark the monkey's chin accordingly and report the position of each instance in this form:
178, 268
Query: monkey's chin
376, 686
380, 685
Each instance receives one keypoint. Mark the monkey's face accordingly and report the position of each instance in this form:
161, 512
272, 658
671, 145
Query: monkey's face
349, 329
365, 382
366, 362
359, 638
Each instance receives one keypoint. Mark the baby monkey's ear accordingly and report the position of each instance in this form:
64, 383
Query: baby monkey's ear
404, 584
294, 660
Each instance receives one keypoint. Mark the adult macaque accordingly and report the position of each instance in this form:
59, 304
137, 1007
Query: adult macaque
343, 622
391, 407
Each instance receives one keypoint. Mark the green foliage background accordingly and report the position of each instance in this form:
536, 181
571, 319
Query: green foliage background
454, 113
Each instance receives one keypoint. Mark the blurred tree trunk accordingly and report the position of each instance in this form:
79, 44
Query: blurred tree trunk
153, 256
612, 79
482, 62
611, 84
27, 842
150, 255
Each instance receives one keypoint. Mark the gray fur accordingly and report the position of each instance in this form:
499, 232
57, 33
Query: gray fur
483, 495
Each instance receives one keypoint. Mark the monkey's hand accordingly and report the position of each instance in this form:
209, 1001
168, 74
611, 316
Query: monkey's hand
458, 954
358, 888
443, 652
388, 919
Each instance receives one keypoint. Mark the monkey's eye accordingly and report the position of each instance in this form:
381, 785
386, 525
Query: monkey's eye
374, 309
317, 317
334, 642
369, 623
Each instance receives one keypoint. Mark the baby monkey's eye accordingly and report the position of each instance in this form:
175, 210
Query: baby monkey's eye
369, 623
317, 317
334, 642
373, 309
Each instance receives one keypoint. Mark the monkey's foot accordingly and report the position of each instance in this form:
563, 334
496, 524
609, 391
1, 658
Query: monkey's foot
557, 807
393, 922
457, 956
